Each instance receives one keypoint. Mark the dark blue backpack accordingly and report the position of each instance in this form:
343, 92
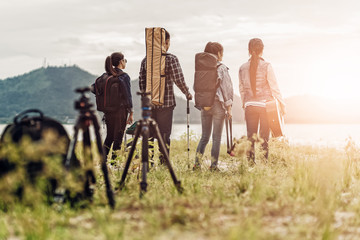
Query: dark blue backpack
109, 92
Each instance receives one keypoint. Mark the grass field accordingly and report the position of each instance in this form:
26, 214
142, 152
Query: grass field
302, 192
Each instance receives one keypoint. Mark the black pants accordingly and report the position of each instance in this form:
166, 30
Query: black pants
115, 127
163, 118
254, 117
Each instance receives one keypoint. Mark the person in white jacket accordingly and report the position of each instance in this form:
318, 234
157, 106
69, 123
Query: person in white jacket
257, 84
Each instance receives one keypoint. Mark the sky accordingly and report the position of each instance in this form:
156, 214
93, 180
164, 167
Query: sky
313, 45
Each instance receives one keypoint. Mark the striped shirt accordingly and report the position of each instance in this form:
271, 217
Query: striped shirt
255, 104
173, 74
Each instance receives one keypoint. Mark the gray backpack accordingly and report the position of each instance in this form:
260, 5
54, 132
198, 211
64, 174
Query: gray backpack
206, 80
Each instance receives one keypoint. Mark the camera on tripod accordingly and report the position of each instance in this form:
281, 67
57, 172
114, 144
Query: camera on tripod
84, 102
143, 129
85, 120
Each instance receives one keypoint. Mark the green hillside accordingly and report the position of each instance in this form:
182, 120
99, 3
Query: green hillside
48, 89
51, 90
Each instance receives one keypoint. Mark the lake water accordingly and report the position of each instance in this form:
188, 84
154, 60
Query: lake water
331, 135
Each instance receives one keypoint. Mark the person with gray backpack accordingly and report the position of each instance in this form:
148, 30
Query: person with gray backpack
214, 97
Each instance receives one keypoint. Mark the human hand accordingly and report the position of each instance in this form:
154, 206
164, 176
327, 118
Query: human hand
130, 119
189, 97
229, 112
282, 110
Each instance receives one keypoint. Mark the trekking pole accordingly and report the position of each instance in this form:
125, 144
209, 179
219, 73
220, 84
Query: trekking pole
231, 148
227, 133
231, 137
188, 129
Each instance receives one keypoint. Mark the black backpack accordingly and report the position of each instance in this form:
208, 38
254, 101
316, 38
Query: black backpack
206, 80
109, 91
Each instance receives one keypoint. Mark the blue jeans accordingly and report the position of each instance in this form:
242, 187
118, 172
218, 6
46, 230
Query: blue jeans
213, 118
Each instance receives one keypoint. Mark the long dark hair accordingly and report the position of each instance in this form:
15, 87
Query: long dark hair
113, 61
256, 47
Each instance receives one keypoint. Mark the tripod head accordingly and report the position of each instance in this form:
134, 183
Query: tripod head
145, 104
83, 104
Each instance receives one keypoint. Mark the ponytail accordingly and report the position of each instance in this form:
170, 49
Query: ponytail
108, 67
256, 47
254, 62
113, 61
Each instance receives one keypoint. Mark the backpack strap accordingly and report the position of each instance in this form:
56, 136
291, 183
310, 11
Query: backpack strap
23, 115
106, 82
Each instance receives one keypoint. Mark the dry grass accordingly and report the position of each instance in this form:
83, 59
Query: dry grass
302, 192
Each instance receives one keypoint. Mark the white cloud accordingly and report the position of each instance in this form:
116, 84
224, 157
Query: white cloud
297, 34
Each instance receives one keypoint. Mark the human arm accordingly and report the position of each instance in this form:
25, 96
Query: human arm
142, 76
128, 97
241, 88
129, 100
275, 88
226, 93
177, 76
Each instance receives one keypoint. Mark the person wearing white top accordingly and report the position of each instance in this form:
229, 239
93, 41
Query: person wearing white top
257, 84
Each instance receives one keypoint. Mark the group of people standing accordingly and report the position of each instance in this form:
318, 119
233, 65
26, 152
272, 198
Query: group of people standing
257, 84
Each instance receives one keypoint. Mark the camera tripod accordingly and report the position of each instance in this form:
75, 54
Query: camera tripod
143, 128
84, 121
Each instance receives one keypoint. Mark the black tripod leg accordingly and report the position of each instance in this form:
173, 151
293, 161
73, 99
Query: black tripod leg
130, 156
88, 158
70, 155
144, 157
109, 191
71, 151
88, 162
177, 183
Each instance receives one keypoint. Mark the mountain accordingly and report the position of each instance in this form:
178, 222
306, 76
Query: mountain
49, 89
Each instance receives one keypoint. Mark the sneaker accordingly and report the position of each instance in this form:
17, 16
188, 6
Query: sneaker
162, 160
214, 169
112, 162
196, 167
251, 163
152, 164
